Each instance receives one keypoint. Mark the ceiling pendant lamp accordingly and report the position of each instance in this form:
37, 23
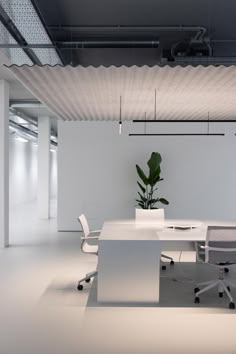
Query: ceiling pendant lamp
120, 122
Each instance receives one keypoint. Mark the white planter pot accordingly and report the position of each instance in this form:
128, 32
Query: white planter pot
149, 215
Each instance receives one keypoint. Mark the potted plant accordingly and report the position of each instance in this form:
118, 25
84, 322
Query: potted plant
148, 187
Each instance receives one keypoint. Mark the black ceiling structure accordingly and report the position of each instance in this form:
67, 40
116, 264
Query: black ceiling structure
140, 32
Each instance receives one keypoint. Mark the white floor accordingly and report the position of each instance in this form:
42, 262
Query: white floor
42, 312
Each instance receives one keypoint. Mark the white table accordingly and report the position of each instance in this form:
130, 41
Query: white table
129, 258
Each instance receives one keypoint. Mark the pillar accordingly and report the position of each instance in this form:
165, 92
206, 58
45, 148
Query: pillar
44, 133
4, 163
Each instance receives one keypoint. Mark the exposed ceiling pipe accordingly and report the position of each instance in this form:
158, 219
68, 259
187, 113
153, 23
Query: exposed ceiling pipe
201, 31
208, 60
109, 44
90, 44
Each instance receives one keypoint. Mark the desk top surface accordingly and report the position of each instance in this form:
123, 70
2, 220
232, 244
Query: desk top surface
167, 230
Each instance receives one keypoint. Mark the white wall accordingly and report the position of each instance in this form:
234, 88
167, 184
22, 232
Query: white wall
22, 172
97, 175
53, 175
23, 177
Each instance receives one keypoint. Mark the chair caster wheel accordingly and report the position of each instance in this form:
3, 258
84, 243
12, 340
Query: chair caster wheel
228, 287
231, 306
220, 294
163, 267
196, 290
197, 300
172, 262
80, 287
87, 280
226, 270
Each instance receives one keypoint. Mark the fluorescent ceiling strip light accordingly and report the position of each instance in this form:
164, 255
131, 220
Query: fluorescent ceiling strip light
21, 139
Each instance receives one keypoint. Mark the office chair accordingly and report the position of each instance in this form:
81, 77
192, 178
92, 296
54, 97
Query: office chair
153, 216
87, 248
220, 251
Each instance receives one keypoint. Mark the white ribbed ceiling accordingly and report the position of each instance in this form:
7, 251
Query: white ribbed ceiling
182, 93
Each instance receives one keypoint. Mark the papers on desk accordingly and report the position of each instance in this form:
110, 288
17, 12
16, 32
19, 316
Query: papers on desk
182, 227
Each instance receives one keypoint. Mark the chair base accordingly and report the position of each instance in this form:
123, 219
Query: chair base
163, 267
86, 279
223, 287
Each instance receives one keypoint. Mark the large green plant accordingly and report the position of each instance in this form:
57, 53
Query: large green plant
147, 188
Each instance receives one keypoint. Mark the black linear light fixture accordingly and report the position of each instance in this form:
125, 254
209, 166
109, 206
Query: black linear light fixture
174, 121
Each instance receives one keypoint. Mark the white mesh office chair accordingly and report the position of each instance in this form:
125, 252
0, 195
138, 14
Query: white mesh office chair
153, 216
87, 248
220, 251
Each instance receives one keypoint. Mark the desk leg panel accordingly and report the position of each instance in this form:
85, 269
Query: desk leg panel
128, 271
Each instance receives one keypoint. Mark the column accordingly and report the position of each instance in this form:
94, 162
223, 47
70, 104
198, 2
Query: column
4, 163
44, 133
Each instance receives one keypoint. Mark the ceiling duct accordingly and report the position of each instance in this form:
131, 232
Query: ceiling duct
226, 61
196, 48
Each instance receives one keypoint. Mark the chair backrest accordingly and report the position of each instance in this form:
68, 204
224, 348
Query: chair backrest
221, 241
84, 224
149, 215
85, 246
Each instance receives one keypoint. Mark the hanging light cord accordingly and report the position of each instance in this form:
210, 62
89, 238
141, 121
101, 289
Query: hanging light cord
208, 125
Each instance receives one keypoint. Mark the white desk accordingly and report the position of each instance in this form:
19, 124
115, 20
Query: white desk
129, 258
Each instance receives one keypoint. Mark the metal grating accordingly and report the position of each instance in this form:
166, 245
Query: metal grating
16, 56
25, 18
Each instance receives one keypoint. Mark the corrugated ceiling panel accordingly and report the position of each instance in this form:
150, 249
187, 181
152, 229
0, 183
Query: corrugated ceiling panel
182, 93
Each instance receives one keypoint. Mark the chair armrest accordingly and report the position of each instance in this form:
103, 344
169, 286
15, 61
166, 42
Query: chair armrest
89, 238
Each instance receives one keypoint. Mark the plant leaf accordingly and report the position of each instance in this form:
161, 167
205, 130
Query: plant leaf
141, 205
141, 187
151, 202
155, 178
154, 166
154, 161
144, 199
163, 201
139, 201
142, 175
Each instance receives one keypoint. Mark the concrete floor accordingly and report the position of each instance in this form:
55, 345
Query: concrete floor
41, 312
